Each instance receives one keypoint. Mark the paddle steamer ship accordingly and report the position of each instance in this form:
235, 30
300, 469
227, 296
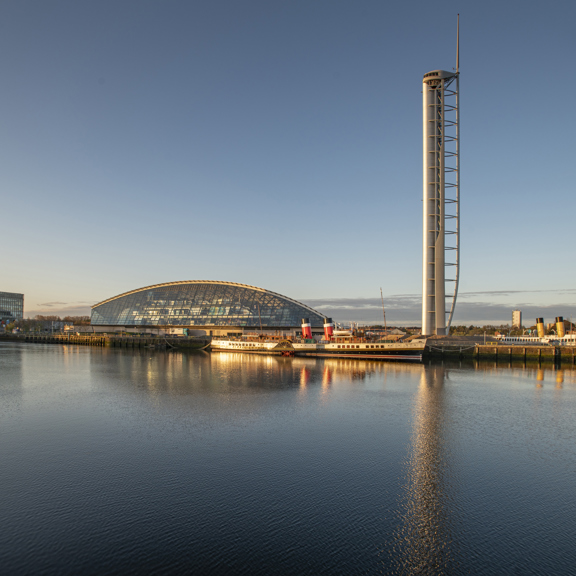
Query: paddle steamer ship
336, 344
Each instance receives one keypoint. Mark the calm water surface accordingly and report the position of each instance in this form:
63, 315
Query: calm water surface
121, 462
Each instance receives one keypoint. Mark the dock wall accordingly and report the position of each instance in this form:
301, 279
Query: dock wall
436, 350
159, 342
495, 352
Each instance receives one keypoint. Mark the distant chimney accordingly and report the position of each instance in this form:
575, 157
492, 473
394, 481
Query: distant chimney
560, 327
540, 327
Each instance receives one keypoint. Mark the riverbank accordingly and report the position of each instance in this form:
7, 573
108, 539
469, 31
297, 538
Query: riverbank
115, 341
450, 347
443, 348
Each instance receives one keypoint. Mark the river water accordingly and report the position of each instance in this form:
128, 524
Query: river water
139, 462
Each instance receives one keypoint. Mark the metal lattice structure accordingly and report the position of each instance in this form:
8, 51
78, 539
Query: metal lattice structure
441, 233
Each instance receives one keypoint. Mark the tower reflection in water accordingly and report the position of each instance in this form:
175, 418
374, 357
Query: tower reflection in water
424, 542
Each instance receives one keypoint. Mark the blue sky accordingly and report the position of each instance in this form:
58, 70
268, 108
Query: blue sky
278, 144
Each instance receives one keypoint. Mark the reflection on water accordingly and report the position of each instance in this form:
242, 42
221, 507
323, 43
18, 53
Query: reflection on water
11, 380
172, 371
425, 541
530, 371
133, 461
559, 378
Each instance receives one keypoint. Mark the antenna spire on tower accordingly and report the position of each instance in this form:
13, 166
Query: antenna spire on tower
458, 45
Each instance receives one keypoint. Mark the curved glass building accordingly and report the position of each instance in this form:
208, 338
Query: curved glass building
203, 304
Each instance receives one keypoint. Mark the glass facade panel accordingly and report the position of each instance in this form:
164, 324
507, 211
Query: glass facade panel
203, 304
11, 306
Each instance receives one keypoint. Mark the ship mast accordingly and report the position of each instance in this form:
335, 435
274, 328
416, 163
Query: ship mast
383, 310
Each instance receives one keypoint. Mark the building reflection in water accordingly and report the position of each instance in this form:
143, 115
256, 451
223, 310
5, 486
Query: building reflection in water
13, 370
424, 542
161, 371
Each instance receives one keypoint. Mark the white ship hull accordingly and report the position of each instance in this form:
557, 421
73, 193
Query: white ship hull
407, 351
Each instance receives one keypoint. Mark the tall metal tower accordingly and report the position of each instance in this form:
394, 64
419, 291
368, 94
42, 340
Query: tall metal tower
441, 233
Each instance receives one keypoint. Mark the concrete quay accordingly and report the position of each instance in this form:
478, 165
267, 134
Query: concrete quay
447, 348
113, 341
461, 348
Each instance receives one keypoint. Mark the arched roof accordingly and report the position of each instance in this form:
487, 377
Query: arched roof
202, 302
164, 284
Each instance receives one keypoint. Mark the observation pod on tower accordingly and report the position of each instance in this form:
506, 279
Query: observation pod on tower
441, 229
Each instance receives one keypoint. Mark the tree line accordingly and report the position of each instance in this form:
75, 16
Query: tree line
76, 320
42, 322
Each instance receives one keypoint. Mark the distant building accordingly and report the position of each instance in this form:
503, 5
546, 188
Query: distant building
11, 307
517, 319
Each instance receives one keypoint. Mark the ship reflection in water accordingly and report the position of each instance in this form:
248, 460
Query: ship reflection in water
424, 543
308, 371
233, 370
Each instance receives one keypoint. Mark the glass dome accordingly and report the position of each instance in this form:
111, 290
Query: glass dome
203, 303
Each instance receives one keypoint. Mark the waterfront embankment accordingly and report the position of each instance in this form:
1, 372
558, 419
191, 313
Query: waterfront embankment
447, 348
458, 348
114, 341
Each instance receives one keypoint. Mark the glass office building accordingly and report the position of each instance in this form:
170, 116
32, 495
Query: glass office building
200, 303
11, 306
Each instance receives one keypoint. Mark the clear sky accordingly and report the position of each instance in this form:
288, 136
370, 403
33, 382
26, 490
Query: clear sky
279, 144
